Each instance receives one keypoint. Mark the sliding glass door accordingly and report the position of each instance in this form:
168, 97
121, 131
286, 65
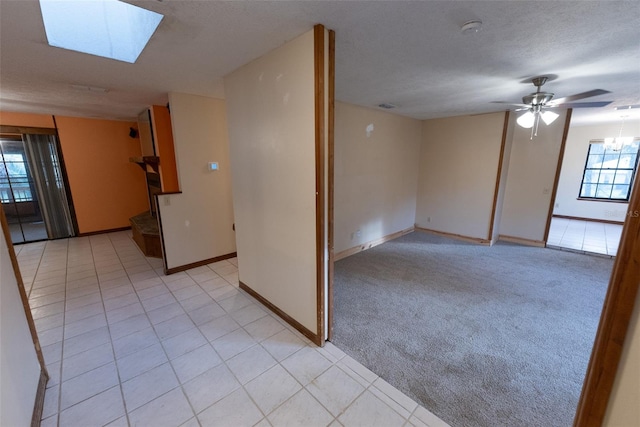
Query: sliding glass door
32, 190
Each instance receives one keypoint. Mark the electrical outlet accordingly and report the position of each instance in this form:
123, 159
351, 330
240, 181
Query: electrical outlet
167, 201
428, 219
358, 233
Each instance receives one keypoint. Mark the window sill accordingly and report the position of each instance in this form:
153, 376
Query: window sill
593, 199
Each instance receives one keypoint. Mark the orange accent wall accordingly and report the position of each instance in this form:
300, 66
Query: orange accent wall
163, 135
106, 188
28, 120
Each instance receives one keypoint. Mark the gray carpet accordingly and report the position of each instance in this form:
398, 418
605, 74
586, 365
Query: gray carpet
481, 336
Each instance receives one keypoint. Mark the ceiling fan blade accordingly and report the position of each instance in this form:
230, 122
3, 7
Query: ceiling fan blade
511, 103
594, 104
583, 95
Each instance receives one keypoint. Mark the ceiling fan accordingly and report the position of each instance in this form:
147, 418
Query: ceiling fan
538, 105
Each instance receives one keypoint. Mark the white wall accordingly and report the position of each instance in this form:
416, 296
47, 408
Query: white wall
575, 156
623, 409
198, 224
458, 168
376, 174
532, 171
270, 104
19, 366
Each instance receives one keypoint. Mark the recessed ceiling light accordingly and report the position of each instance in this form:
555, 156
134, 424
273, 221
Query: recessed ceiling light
108, 28
471, 27
387, 106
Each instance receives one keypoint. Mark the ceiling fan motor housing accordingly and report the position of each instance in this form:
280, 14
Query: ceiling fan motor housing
537, 98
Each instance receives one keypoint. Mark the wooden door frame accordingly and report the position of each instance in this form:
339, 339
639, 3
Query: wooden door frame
614, 323
617, 308
324, 153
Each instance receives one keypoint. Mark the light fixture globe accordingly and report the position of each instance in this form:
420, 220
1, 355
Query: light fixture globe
527, 120
549, 117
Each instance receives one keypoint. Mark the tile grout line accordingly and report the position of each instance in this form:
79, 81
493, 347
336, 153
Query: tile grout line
180, 385
64, 317
113, 350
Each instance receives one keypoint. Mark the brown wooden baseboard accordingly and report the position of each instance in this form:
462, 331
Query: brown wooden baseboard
363, 247
605, 221
522, 241
39, 402
199, 263
315, 338
456, 236
112, 230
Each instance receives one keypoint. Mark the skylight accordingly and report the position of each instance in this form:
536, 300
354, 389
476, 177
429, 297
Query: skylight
108, 28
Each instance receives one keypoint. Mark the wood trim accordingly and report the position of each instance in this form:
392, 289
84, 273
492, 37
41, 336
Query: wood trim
522, 241
554, 191
25, 300
39, 402
331, 183
319, 83
363, 247
614, 323
180, 268
111, 230
505, 130
162, 245
315, 338
604, 221
27, 129
456, 236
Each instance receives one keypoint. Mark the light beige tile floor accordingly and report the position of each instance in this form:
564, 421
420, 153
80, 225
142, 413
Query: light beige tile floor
584, 236
126, 345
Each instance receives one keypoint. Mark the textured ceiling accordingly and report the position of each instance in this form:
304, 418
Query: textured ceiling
411, 54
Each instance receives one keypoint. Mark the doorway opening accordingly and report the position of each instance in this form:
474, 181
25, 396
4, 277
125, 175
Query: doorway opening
32, 189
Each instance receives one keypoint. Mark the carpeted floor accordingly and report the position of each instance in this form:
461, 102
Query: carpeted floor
481, 336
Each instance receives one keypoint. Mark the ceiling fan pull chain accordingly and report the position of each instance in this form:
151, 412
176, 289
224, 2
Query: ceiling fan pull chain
534, 128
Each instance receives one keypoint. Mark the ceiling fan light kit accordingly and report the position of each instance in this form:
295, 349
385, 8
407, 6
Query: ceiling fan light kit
538, 102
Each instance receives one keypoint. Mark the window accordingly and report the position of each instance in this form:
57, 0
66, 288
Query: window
609, 173
13, 176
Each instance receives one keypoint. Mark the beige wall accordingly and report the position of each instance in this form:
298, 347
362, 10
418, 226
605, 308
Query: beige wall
458, 169
575, 156
623, 409
376, 174
270, 104
198, 224
19, 366
532, 170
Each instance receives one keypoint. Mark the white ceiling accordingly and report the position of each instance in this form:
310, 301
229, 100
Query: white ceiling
411, 54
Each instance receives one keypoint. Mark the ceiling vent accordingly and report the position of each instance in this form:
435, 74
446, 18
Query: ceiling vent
387, 106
